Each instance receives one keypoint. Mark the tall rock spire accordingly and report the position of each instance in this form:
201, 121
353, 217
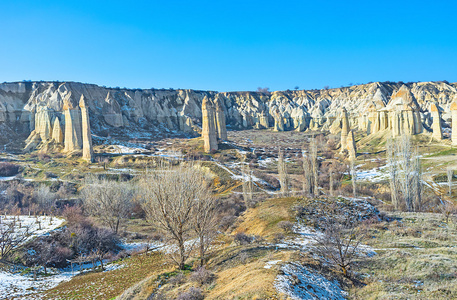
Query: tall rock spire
436, 126
220, 119
208, 126
344, 129
73, 138
57, 134
351, 147
88, 152
454, 121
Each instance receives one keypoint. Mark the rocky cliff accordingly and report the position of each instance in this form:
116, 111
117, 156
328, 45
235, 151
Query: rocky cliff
149, 113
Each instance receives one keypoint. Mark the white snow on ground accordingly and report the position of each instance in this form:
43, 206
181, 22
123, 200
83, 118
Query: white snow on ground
304, 239
15, 285
121, 149
299, 283
271, 263
8, 178
37, 226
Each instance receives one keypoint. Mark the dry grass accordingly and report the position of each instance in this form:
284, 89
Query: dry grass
263, 219
106, 285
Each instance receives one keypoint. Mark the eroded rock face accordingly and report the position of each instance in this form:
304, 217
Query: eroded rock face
371, 107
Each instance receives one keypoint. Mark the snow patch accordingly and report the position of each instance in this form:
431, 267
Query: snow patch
298, 282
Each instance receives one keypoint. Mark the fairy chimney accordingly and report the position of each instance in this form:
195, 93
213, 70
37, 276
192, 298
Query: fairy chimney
436, 125
73, 138
344, 129
88, 152
208, 125
220, 119
351, 147
57, 134
454, 121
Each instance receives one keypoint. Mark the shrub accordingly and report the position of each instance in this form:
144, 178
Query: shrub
8, 169
286, 226
192, 293
202, 276
243, 239
177, 280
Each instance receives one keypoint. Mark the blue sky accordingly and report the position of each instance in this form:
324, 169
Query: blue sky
228, 45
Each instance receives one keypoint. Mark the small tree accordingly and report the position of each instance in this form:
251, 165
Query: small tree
340, 239
111, 201
353, 179
450, 173
405, 173
247, 185
283, 176
171, 199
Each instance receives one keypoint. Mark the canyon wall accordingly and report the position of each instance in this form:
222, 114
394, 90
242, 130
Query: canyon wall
149, 113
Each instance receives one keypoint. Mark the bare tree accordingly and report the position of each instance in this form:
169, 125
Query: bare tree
353, 179
331, 181
341, 237
314, 166
45, 198
204, 222
283, 176
405, 173
172, 198
307, 174
111, 201
450, 173
247, 184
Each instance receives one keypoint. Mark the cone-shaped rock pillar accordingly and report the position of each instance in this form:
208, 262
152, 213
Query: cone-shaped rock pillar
208, 125
351, 147
57, 134
88, 152
73, 138
344, 129
220, 119
454, 121
436, 125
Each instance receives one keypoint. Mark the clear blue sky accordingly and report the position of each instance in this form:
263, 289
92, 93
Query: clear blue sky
228, 45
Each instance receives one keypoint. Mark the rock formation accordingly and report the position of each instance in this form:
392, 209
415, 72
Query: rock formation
374, 107
73, 137
404, 113
344, 129
453, 108
351, 147
279, 121
88, 152
436, 126
57, 134
208, 126
220, 119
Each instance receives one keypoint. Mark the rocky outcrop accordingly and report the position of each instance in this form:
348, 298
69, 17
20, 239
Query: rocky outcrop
209, 133
88, 152
436, 126
150, 113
